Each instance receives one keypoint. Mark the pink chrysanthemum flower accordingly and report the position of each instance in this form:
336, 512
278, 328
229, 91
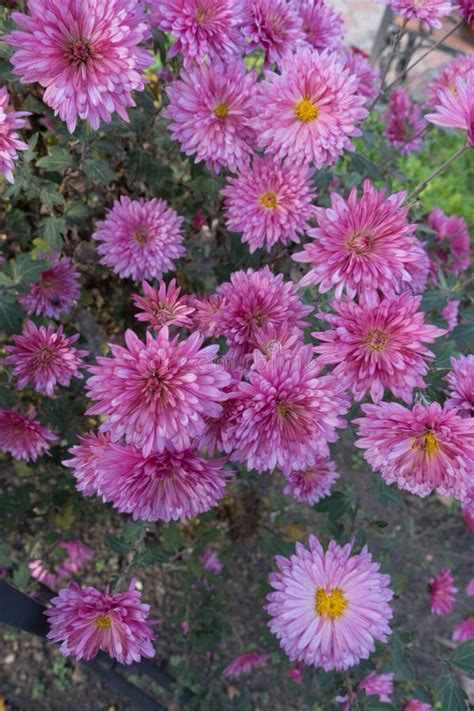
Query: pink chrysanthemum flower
78, 554
204, 29
357, 62
42, 574
464, 631
361, 246
210, 108
23, 437
456, 109
84, 54
421, 450
466, 9
312, 484
428, 12
268, 338
167, 487
10, 142
55, 292
287, 413
446, 80
85, 462
323, 26
403, 123
156, 394
380, 684
207, 314
44, 357
211, 561
468, 510
416, 705
450, 314
470, 588
87, 621
273, 25
245, 664
254, 300
329, 608
378, 347
163, 306
461, 385
442, 593
452, 241
269, 202
140, 238
309, 111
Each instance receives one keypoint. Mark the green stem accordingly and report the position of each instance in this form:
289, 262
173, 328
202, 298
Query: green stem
131, 564
396, 42
421, 186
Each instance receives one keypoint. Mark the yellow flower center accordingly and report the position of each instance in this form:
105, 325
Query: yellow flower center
103, 621
142, 236
376, 340
306, 111
269, 200
330, 605
221, 111
201, 15
282, 410
428, 443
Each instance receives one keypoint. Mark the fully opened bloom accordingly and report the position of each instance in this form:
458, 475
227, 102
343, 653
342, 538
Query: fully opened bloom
245, 664
446, 80
269, 202
452, 241
169, 486
461, 385
210, 109
157, 393
23, 437
464, 631
87, 621
357, 62
362, 245
456, 110
56, 290
429, 12
140, 238
380, 684
442, 593
44, 357
329, 608
163, 306
312, 484
378, 347
273, 25
323, 26
428, 448
84, 54
403, 123
10, 142
309, 111
85, 462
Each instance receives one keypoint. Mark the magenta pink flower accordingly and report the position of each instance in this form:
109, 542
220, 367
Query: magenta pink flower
42, 574
323, 26
55, 292
461, 385
418, 270
429, 12
273, 25
44, 357
10, 142
415, 705
269, 202
156, 394
450, 314
270, 337
84, 54
442, 593
210, 109
380, 684
357, 62
452, 241
85, 462
466, 9
296, 673
245, 664
456, 110
446, 80
23, 437
211, 561
421, 450
403, 123
314, 483
470, 588
464, 631
207, 314
468, 510
140, 238
163, 306
287, 413
310, 110
78, 554
87, 621
378, 347
329, 608
362, 246
202, 28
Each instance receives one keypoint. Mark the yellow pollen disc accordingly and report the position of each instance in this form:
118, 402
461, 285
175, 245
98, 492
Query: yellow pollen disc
330, 605
376, 340
427, 443
141, 236
282, 410
221, 111
103, 621
269, 200
306, 111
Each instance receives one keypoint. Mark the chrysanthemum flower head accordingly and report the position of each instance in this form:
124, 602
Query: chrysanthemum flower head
10, 142
466, 8
403, 123
312, 484
56, 290
44, 357
269, 202
452, 241
416, 705
442, 593
140, 238
418, 270
245, 664
428, 448
78, 554
456, 110
207, 314
274, 26
450, 313
309, 111
210, 109
211, 561
163, 306
380, 684
87, 621
378, 347
156, 394
24, 437
446, 80
357, 62
461, 385
323, 26
362, 245
329, 608
429, 12
84, 54
464, 630
85, 462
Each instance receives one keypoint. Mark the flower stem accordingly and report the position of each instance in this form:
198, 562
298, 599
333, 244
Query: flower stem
130, 565
421, 186
390, 57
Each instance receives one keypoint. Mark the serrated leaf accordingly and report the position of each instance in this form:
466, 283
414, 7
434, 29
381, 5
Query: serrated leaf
11, 313
363, 166
335, 505
76, 212
464, 333
24, 270
52, 230
463, 657
50, 196
433, 300
373, 703
116, 544
171, 537
400, 657
443, 351
151, 555
29, 154
98, 169
21, 576
387, 495
450, 694
57, 161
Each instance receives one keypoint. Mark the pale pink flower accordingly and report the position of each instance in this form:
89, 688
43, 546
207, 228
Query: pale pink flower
42, 574
418, 270
313, 483
450, 314
273, 25
470, 588
323, 26
421, 450
378, 348
84, 54
245, 664
456, 110
466, 9
429, 12
87, 621
329, 607
10, 142
211, 561
309, 111
56, 290
24, 437
446, 80
78, 554
452, 241
163, 306
380, 684
442, 593
269, 202
358, 63
44, 357
403, 123
415, 705
85, 462
269, 337
210, 109
464, 631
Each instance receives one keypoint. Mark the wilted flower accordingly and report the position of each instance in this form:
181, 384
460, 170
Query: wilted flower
456, 110
23, 437
273, 25
85, 462
323, 26
450, 313
442, 593
461, 385
380, 684
245, 664
313, 483
429, 12
464, 631
55, 292
403, 123
452, 241
163, 306
10, 142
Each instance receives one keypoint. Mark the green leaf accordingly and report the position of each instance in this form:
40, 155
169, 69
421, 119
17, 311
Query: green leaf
151, 555
29, 154
171, 537
11, 313
242, 702
373, 703
22, 576
50, 196
98, 169
463, 657
363, 166
24, 270
433, 300
450, 694
76, 212
400, 657
57, 161
387, 495
116, 544
5, 554
443, 351
464, 333
335, 505
52, 229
